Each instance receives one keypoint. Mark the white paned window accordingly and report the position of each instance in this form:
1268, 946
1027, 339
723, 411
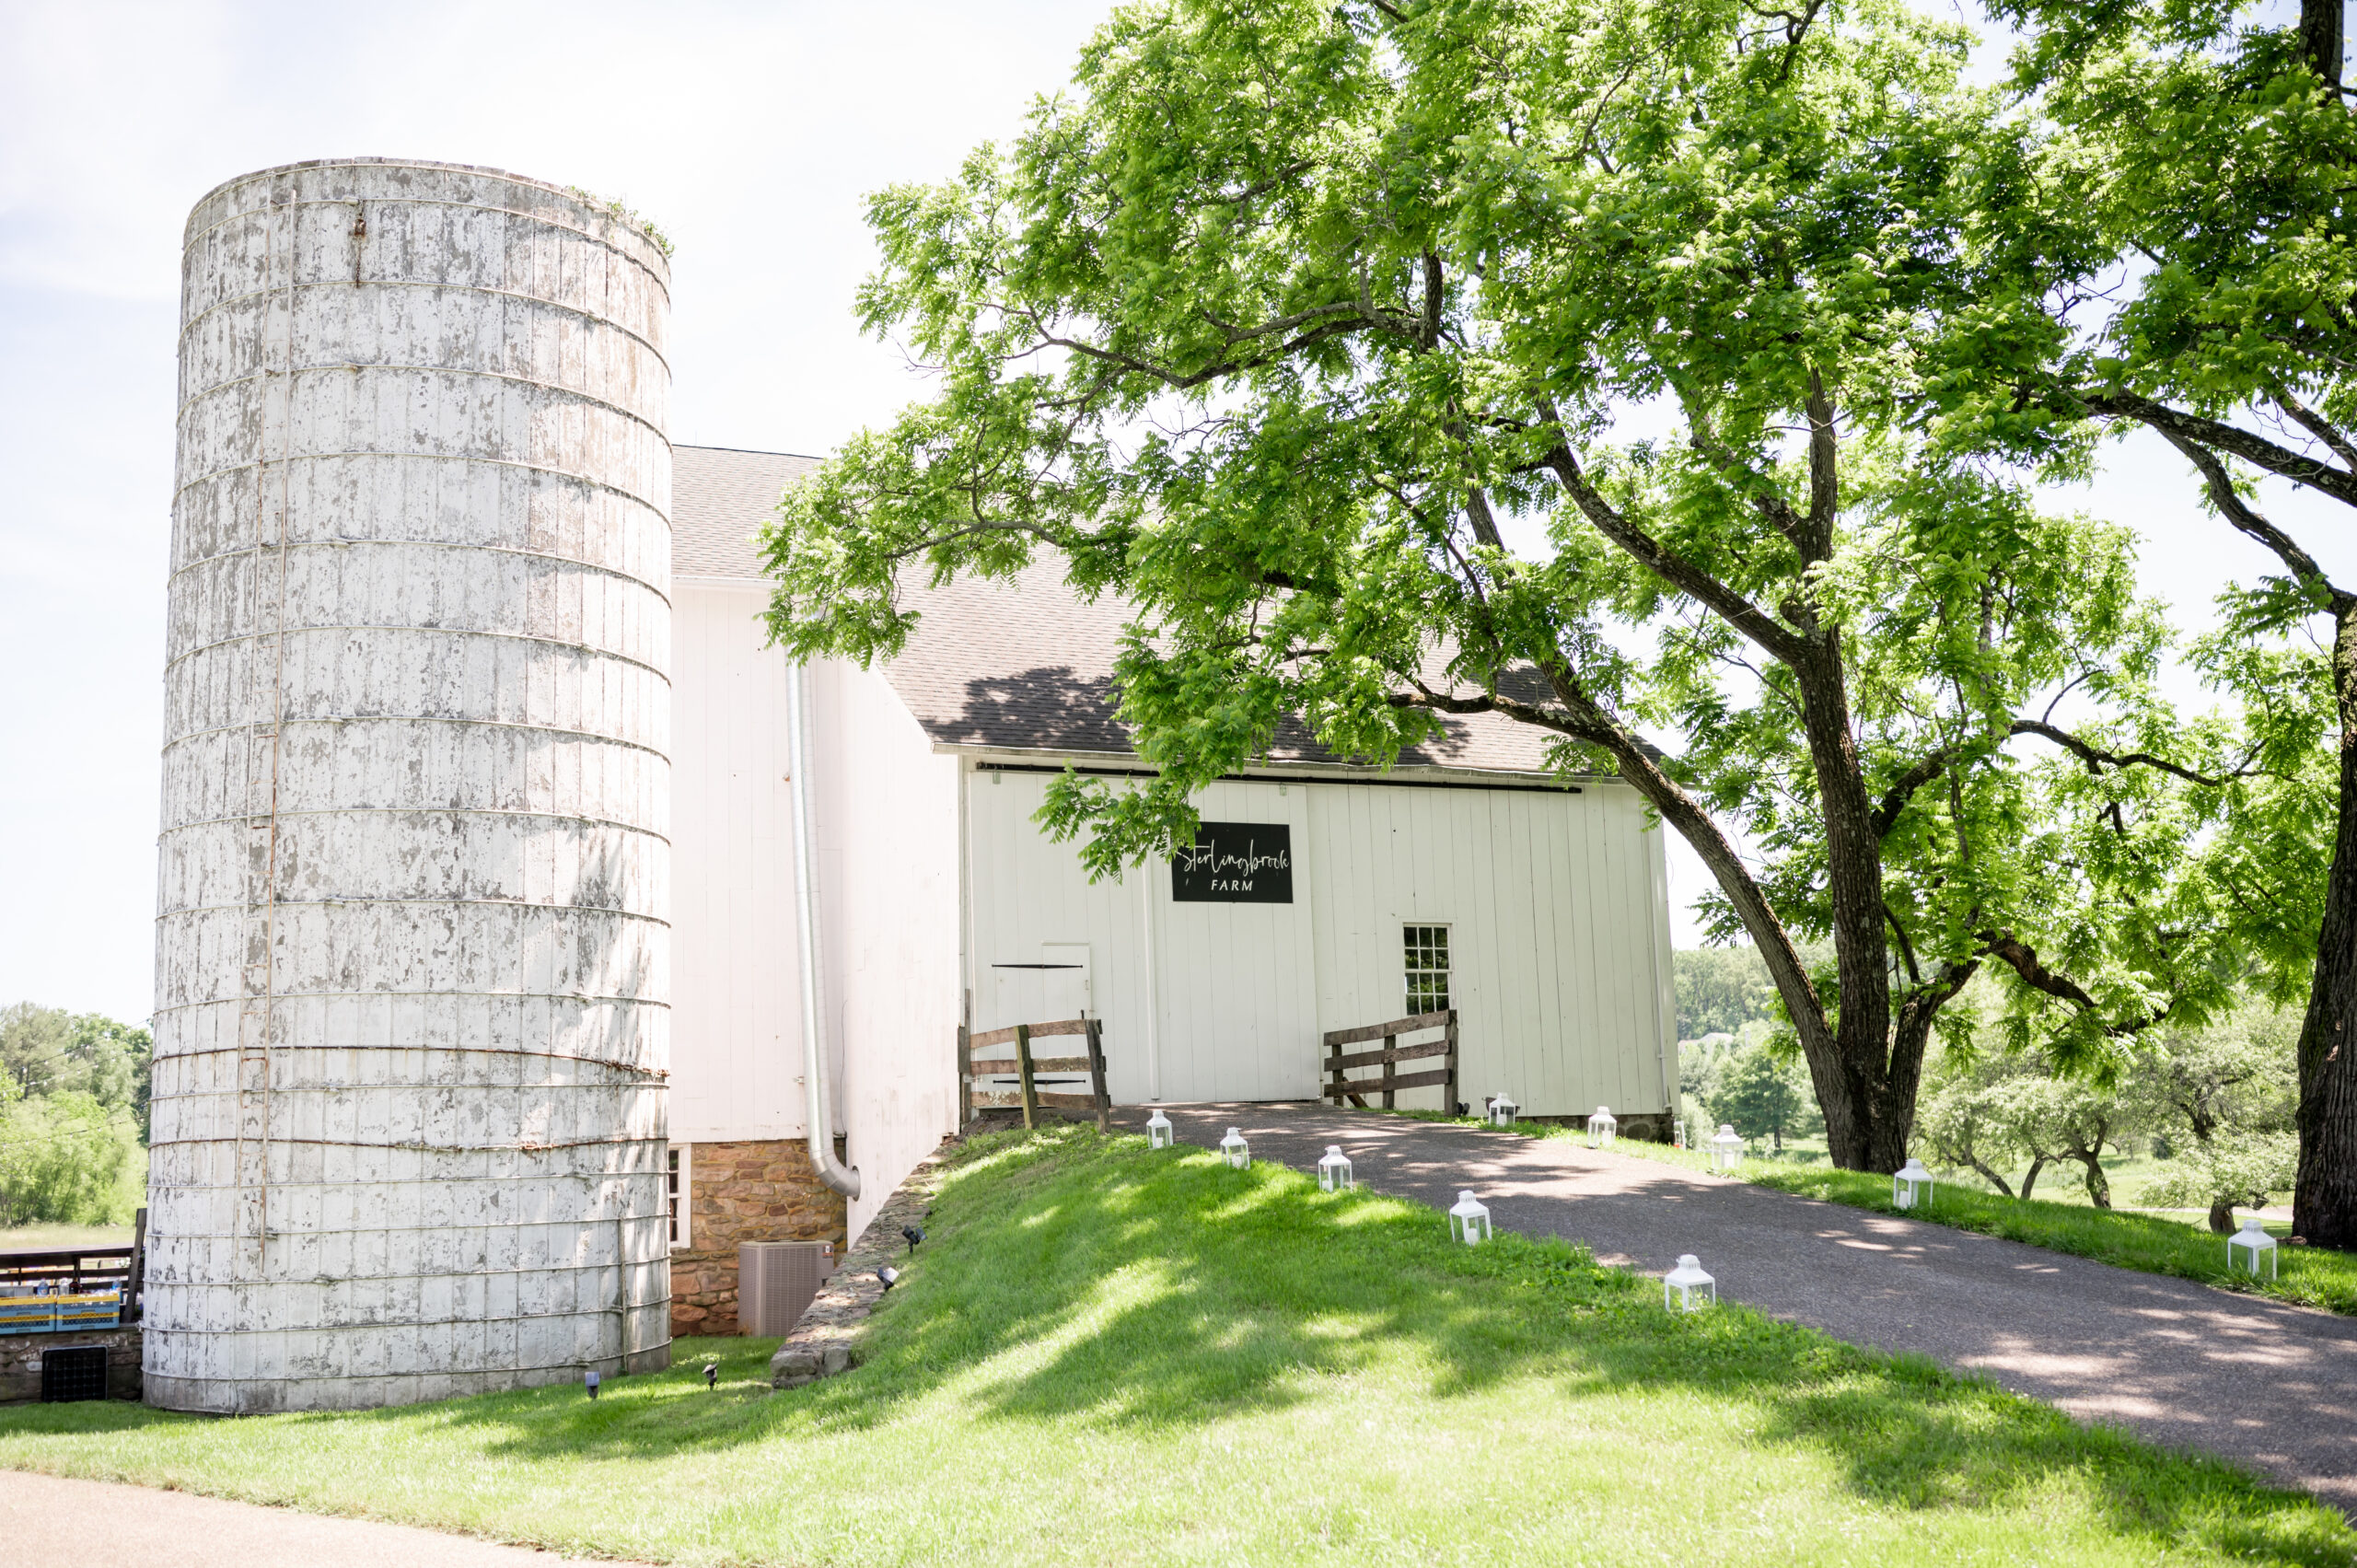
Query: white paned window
674, 1193
1427, 948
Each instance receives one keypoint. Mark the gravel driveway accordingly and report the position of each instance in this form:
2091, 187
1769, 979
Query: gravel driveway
2178, 1362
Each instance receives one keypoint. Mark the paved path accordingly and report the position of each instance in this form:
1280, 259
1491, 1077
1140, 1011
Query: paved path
2180, 1363
45, 1520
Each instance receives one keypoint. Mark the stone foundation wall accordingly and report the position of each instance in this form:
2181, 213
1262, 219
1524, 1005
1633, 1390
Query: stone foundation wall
736, 1192
20, 1361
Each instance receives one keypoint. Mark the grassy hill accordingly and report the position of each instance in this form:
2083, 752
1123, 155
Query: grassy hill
1108, 1356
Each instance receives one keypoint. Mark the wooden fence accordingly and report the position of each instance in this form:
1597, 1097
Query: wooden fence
72, 1287
1028, 1067
1339, 1061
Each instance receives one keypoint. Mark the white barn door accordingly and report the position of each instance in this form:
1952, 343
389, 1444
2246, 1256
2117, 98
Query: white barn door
1236, 980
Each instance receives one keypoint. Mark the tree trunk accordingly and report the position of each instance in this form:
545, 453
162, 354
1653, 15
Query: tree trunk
1998, 1182
2323, 1207
2320, 37
2098, 1184
1868, 1108
2222, 1217
2030, 1180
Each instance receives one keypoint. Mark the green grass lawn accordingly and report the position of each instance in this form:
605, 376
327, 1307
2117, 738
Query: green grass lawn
2063, 1183
45, 1237
1103, 1354
2155, 1243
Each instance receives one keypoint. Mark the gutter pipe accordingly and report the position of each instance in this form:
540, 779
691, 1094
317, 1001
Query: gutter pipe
843, 1180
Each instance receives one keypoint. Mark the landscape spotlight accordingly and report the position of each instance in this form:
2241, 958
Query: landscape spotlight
589, 1381
1470, 1221
1912, 1185
712, 1375
1727, 1149
1157, 1130
1503, 1109
889, 1276
1239, 1152
914, 1234
1334, 1170
1688, 1283
1601, 1127
2254, 1238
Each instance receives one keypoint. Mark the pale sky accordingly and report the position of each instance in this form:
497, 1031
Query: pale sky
750, 133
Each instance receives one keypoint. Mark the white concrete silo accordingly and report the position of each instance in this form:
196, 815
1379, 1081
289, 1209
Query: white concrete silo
412, 954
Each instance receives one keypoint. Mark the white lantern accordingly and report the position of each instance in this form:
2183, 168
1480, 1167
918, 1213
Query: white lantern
1334, 1170
1601, 1127
1239, 1152
1727, 1149
1687, 1287
1503, 1110
1912, 1185
1470, 1221
2255, 1239
1157, 1130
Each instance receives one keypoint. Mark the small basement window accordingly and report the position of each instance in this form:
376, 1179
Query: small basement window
1427, 948
674, 1193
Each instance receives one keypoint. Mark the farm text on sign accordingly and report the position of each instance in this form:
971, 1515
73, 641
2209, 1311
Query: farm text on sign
1235, 863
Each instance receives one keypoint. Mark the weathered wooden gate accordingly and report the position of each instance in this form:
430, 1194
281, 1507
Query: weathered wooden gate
1339, 1061
1026, 1068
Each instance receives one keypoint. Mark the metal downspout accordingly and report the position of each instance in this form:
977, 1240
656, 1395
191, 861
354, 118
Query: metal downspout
843, 1180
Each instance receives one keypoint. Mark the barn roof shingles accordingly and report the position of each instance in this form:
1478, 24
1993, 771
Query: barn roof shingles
1017, 666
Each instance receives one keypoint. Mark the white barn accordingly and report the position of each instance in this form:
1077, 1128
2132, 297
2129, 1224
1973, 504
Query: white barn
1540, 911
479, 1007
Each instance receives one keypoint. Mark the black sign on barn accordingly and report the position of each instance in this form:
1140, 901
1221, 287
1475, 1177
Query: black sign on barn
1235, 863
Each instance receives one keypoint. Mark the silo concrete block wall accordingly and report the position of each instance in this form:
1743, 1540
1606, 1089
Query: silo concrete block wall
412, 946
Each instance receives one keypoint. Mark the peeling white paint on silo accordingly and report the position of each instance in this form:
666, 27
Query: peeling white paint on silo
410, 1031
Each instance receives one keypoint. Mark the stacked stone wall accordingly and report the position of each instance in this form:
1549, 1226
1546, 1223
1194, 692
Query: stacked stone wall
20, 1361
737, 1193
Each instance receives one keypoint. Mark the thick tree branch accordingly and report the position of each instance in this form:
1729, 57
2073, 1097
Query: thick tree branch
1668, 564
2219, 437
1914, 776
2239, 513
2320, 427
2026, 963
2097, 757
1824, 472
1581, 717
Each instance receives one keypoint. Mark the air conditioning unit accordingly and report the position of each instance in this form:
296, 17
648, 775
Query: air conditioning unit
775, 1281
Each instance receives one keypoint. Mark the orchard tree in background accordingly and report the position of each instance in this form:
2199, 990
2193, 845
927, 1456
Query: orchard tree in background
2224, 1096
1303, 328
2189, 238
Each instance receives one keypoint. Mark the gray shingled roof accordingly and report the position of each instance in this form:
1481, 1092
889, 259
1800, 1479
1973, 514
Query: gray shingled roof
719, 495
1017, 666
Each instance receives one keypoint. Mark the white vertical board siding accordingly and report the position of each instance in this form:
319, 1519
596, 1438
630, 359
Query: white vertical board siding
1028, 893
887, 823
1558, 933
736, 1007
1237, 983
1234, 987
1555, 903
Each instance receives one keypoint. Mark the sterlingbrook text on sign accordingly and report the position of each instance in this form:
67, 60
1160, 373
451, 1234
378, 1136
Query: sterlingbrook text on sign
1235, 863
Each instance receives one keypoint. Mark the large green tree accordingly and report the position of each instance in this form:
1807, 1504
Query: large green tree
2187, 244
1555, 359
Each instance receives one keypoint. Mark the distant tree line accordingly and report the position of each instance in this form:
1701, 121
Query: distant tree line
73, 1090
